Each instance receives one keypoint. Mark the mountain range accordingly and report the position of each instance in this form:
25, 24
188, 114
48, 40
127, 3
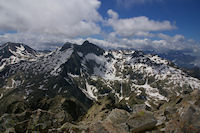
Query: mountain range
84, 88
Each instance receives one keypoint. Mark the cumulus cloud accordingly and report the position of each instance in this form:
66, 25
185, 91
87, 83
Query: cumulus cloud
112, 14
139, 26
106, 43
177, 42
69, 18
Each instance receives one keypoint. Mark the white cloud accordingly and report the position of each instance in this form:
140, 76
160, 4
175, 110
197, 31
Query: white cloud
144, 34
112, 14
69, 18
39, 42
106, 43
177, 42
138, 26
165, 43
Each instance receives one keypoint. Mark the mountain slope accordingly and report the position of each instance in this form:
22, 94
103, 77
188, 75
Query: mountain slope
66, 84
11, 53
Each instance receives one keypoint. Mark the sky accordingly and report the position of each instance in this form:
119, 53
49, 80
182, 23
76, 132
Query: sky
160, 25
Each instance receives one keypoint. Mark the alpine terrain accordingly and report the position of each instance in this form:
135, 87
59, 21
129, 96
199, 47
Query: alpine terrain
86, 89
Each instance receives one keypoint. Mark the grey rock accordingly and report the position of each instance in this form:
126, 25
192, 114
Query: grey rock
141, 121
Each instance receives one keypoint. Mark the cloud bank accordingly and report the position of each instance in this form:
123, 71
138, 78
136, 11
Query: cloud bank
139, 26
68, 18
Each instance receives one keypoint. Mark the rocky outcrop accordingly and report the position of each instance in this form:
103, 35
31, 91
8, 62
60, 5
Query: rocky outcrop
180, 115
186, 117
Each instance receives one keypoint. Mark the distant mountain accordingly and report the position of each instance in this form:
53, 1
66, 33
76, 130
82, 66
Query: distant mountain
44, 51
11, 53
184, 61
177, 57
194, 72
84, 88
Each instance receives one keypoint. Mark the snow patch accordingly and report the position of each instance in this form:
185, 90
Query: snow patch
2, 66
73, 76
158, 60
127, 98
54, 86
1, 96
147, 103
89, 92
41, 87
59, 89
120, 95
21, 48
152, 92
80, 54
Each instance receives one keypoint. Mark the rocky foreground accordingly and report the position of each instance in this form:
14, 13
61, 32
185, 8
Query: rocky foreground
180, 115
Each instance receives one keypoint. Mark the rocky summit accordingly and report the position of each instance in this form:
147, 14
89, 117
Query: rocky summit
86, 89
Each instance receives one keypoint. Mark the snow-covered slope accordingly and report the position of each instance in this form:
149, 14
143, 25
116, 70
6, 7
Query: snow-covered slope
146, 75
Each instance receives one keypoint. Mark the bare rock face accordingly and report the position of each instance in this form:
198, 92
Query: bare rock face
182, 115
121, 121
105, 127
118, 116
179, 115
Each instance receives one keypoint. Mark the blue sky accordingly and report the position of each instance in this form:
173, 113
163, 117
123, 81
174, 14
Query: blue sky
140, 24
185, 13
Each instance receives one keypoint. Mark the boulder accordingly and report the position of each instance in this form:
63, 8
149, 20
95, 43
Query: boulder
141, 121
106, 127
118, 116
